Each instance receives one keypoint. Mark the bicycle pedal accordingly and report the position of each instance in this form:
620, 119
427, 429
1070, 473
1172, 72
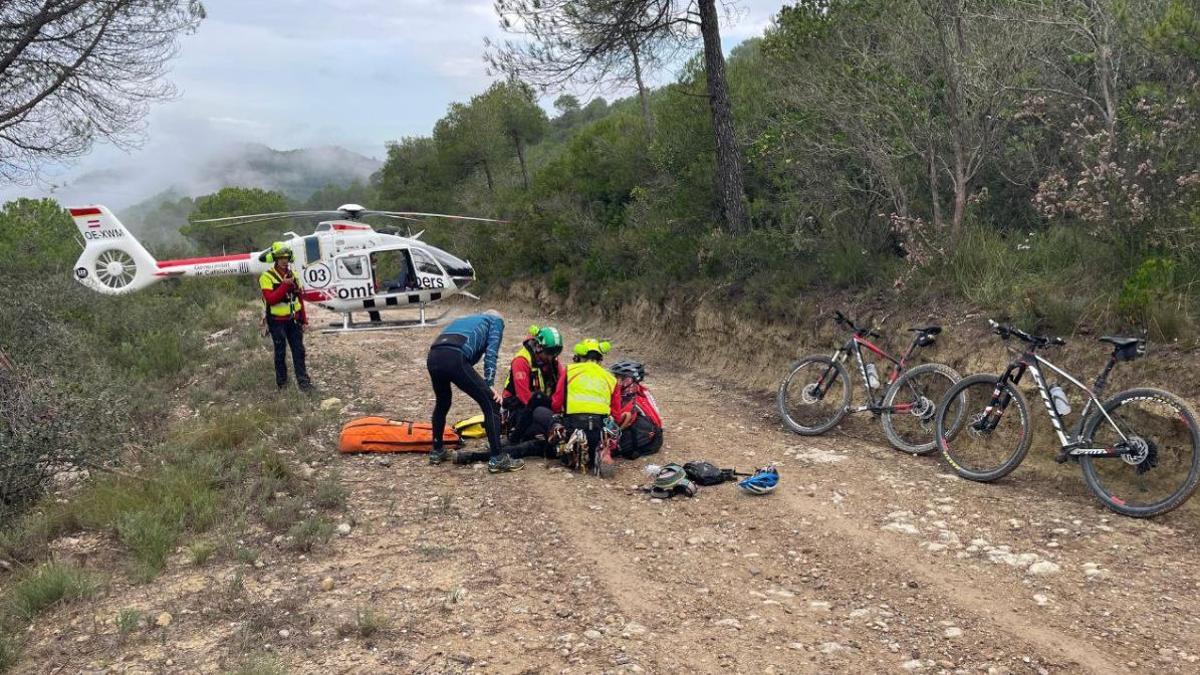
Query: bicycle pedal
1062, 457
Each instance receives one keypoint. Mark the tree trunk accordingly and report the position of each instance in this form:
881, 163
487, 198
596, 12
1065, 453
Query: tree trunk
521, 160
730, 189
643, 94
935, 194
961, 181
487, 171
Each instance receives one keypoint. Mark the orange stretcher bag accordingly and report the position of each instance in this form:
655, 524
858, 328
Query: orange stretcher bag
380, 434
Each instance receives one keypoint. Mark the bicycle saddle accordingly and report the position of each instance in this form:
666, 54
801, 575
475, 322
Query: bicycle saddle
928, 330
1119, 342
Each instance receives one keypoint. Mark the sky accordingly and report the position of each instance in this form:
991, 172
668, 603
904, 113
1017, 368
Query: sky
302, 73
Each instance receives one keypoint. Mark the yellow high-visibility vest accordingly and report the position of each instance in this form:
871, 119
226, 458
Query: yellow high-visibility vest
589, 389
268, 281
536, 381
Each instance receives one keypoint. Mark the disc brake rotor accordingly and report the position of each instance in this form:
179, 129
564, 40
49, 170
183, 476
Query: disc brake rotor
923, 409
1142, 454
976, 427
811, 394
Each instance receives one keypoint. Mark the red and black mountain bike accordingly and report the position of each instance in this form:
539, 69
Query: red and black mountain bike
815, 395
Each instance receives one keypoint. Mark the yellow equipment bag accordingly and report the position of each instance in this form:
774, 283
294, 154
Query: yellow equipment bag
380, 434
472, 427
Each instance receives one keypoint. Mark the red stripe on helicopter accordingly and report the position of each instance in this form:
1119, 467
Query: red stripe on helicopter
315, 296
85, 212
345, 226
201, 261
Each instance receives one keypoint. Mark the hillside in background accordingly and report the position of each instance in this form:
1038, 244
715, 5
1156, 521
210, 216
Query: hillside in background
296, 173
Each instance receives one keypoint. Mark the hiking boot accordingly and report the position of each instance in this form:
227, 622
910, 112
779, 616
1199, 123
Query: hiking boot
437, 455
505, 463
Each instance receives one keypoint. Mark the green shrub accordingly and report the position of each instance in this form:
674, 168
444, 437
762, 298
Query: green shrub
128, 620
48, 585
9, 653
282, 514
200, 551
309, 533
331, 493
150, 538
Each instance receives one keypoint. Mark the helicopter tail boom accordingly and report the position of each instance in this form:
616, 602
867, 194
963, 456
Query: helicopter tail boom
113, 262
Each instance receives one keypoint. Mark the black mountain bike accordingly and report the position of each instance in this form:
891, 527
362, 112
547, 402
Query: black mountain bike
1139, 450
815, 395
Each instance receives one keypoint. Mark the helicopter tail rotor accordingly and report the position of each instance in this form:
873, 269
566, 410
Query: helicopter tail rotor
113, 261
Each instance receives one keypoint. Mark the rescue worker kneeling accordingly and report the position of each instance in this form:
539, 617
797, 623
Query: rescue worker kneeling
639, 419
533, 394
592, 401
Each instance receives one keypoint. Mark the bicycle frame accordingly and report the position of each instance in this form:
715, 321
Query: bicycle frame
855, 346
1073, 444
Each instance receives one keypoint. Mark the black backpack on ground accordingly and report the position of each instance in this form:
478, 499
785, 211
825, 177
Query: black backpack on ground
706, 473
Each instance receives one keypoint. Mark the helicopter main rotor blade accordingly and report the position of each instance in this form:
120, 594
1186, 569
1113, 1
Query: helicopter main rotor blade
397, 217
438, 215
254, 220
280, 214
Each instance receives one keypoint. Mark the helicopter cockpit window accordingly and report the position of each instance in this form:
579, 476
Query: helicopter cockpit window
455, 266
312, 249
424, 263
352, 267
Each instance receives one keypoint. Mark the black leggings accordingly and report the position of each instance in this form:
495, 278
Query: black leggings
448, 365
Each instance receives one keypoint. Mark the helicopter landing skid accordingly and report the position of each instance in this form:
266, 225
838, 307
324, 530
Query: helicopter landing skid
347, 325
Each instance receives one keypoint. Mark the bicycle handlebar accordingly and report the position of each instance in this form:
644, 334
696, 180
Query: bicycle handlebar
842, 319
1006, 331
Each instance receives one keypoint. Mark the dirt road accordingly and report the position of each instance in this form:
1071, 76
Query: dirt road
864, 560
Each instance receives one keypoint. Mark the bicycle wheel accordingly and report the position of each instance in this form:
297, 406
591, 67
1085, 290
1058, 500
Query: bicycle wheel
988, 442
916, 393
1163, 473
814, 395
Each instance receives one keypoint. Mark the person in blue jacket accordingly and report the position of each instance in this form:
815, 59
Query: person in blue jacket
452, 360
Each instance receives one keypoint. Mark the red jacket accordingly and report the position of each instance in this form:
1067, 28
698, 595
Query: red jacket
637, 401
274, 296
521, 374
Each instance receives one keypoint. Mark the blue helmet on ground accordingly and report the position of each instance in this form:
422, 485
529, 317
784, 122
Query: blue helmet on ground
764, 481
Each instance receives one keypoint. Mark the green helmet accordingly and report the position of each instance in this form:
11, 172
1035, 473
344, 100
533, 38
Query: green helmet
280, 250
592, 346
550, 340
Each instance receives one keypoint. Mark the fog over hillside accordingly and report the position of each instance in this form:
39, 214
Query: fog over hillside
296, 173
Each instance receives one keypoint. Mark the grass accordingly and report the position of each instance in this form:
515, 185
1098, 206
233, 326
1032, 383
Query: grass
330, 493
261, 664
50, 584
200, 551
150, 538
9, 653
246, 555
127, 621
282, 514
307, 534
366, 623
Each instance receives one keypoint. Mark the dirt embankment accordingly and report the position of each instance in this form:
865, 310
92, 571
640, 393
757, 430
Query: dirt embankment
752, 354
864, 560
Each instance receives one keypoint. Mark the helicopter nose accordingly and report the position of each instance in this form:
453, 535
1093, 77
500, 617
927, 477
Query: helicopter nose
464, 276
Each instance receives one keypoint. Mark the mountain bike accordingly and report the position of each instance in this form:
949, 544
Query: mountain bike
1139, 450
815, 395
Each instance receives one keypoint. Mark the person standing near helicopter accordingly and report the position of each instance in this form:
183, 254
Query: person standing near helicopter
285, 315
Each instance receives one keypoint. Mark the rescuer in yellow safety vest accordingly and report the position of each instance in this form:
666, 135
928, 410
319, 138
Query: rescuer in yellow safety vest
592, 399
285, 315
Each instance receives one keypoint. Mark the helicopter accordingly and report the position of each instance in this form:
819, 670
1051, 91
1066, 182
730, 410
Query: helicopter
345, 264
